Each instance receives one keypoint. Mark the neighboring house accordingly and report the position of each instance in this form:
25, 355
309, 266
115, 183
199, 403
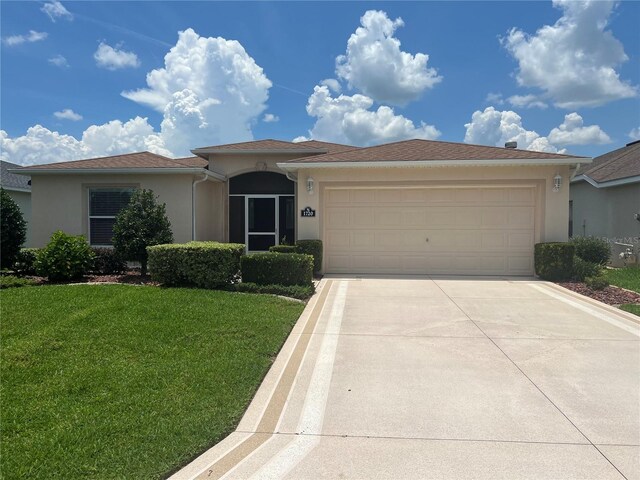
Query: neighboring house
415, 206
605, 199
19, 188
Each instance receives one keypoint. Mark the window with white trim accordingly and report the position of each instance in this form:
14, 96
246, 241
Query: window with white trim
104, 205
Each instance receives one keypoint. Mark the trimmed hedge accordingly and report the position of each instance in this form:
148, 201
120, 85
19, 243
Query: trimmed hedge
591, 249
313, 248
108, 261
597, 283
301, 292
25, 263
277, 269
283, 249
197, 264
554, 260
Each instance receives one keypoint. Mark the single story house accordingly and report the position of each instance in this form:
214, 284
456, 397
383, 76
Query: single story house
19, 189
604, 199
406, 207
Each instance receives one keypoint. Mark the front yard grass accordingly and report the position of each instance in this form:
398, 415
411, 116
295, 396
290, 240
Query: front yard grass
118, 381
631, 308
628, 278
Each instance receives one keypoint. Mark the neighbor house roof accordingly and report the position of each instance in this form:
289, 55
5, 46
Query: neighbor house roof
140, 162
11, 181
616, 167
429, 151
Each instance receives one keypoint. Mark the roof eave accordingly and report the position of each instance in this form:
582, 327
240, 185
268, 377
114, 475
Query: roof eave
16, 189
609, 183
292, 166
119, 171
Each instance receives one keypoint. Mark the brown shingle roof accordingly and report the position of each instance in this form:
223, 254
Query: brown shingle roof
129, 160
192, 162
426, 150
267, 144
329, 147
621, 163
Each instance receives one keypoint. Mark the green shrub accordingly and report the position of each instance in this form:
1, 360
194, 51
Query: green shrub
597, 283
301, 292
314, 248
197, 264
11, 281
66, 257
108, 261
583, 269
25, 263
277, 268
141, 224
591, 249
13, 229
284, 249
554, 260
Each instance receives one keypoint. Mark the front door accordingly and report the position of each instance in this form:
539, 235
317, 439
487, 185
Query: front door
262, 222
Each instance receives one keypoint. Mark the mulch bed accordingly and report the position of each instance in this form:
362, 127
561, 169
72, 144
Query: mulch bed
611, 295
131, 277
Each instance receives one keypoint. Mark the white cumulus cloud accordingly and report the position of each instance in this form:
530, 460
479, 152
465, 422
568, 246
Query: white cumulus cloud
526, 101
114, 59
375, 64
67, 114
573, 61
59, 61
573, 132
270, 118
349, 119
634, 134
32, 36
209, 91
495, 127
56, 10
333, 84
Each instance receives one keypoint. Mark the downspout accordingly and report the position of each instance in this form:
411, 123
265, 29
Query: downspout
292, 177
204, 178
573, 175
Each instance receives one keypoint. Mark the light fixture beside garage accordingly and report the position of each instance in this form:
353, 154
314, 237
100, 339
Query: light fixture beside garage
557, 183
310, 184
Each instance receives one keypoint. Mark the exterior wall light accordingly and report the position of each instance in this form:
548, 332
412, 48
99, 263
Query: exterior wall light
310, 184
557, 183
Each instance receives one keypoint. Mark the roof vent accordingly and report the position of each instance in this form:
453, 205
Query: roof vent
511, 145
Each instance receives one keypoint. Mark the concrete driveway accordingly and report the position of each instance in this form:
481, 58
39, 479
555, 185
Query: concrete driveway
447, 378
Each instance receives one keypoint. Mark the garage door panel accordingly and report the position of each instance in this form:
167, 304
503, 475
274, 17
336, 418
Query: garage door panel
484, 230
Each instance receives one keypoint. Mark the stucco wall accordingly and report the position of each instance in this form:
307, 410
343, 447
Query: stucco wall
23, 199
553, 206
60, 202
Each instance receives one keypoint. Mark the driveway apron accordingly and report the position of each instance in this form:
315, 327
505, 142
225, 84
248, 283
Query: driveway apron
447, 378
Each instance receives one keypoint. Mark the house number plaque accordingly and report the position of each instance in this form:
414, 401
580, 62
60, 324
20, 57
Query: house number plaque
307, 212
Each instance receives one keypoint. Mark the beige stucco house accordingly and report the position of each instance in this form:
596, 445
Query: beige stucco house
410, 207
605, 199
19, 189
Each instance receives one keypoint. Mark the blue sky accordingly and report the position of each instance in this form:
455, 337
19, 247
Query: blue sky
496, 71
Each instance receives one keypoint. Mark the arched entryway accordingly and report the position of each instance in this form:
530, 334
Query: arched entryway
261, 210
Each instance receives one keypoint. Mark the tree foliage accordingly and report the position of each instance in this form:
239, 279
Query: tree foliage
13, 229
141, 224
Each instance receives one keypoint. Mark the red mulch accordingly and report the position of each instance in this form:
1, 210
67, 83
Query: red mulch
610, 295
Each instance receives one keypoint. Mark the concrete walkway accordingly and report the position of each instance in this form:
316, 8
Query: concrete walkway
444, 378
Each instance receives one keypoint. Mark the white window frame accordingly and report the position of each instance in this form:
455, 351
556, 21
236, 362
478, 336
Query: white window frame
89, 216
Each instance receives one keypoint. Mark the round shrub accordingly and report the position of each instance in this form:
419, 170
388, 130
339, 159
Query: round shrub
554, 260
13, 229
583, 269
25, 263
597, 283
591, 249
66, 257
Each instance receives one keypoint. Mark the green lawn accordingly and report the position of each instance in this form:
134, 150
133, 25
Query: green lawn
119, 381
628, 278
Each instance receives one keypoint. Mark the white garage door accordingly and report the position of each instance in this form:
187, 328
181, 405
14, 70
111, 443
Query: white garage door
430, 230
